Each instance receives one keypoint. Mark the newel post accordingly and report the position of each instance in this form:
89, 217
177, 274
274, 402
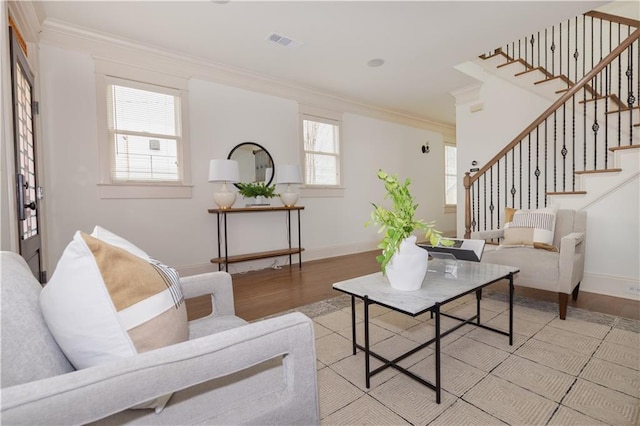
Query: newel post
467, 204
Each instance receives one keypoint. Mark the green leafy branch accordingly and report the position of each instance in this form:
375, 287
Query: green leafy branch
400, 222
252, 190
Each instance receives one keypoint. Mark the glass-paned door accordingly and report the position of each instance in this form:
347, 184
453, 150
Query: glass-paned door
25, 160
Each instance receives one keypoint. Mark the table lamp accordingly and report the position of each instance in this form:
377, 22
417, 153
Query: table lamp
224, 171
288, 173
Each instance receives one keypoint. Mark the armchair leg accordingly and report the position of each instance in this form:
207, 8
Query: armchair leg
574, 294
563, 301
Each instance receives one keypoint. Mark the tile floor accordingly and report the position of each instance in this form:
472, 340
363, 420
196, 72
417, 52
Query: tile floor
582, 371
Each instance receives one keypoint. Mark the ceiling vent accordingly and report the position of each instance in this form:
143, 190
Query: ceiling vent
283, 41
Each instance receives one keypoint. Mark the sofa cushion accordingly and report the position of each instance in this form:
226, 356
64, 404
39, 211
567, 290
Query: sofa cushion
29, 352
104, 303
530, 228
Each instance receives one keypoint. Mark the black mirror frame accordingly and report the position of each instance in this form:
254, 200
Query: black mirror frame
262, 148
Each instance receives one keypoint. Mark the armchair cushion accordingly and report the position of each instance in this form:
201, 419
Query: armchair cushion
104, 303
534, 228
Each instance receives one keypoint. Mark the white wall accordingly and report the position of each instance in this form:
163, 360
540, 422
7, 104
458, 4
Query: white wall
180, 232
612, 250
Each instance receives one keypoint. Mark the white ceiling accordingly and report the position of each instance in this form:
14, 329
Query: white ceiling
421, 41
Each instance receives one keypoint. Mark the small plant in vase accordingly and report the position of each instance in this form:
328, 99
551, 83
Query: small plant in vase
398, 225
258, 191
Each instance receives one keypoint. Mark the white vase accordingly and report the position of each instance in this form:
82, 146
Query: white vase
408, 266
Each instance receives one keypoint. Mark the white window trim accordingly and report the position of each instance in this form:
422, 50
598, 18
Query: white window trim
104, 70
448, 208
329, 117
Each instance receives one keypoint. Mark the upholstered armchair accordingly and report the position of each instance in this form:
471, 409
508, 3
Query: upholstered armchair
560, 272
228, 372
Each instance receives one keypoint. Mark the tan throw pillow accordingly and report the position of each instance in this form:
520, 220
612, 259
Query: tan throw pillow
530, 228
105, 303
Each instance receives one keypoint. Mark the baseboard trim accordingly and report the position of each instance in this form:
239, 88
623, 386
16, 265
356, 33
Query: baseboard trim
610, 285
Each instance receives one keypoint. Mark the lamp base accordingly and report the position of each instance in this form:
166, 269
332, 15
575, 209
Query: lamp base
289, 198
224, 200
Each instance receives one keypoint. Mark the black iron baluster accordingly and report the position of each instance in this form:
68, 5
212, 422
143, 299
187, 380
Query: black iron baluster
537, 172
520, 167
630, 98
498, 191
584, 128
573, 143
619, 91
473, 208
595, 128
533, 58
555, 151
564, 147
546, 64
491, 206
529, 172
546, 165
484, 201
526, 41
553, 50
513, 177
560, 50
538, 47
607, 87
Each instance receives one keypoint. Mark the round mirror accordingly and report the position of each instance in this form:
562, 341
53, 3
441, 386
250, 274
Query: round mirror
255, 163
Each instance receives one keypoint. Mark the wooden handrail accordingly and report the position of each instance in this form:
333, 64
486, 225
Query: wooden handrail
564, 98
613, 18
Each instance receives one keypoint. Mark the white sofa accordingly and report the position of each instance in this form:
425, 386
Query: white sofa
229, 372
560, 272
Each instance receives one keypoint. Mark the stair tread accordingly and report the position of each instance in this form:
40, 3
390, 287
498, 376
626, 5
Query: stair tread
623, 147
585, 172
520, 61
567, 193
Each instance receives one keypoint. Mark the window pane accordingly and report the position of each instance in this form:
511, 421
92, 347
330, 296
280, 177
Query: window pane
146, 159
451, 194
320, 137
142, 111
321, 169
450, 159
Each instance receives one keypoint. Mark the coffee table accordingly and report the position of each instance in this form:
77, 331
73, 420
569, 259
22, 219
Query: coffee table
446, 280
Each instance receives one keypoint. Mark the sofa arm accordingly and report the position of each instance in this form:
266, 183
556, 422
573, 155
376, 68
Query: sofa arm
217, 284
488, 235
95, 393
571, 263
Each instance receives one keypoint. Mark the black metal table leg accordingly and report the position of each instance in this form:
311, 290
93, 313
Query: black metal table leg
353, 323
366, 342
510, 309
438, 388
478, 297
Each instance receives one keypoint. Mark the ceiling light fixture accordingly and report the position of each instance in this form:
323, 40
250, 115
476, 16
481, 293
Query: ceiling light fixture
375, 62
283, 41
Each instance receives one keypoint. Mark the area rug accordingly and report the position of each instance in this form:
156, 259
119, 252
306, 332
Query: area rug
584, 370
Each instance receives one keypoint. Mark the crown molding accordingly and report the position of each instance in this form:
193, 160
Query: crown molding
108, 47
29, 17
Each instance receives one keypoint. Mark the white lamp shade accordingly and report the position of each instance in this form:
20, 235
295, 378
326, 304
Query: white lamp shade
224, 171
288, 173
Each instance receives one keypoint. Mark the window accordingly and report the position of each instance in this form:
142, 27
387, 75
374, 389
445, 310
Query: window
321, 145
450, 175
142, 133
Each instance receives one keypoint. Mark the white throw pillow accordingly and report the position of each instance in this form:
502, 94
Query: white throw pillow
104, 302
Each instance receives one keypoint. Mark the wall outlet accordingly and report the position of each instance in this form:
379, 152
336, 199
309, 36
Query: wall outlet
633, 289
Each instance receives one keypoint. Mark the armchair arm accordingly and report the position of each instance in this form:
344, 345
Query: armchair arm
571, 263
94, 393
488, 235
217, 284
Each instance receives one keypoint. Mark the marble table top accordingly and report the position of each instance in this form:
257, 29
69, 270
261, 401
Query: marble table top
445, 281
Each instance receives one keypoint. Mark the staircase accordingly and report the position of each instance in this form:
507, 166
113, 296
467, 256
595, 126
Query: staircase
586, 142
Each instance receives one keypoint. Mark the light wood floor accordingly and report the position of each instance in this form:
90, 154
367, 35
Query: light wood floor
269, 291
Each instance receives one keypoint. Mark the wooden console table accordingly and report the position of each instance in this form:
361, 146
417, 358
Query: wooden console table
226, 259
